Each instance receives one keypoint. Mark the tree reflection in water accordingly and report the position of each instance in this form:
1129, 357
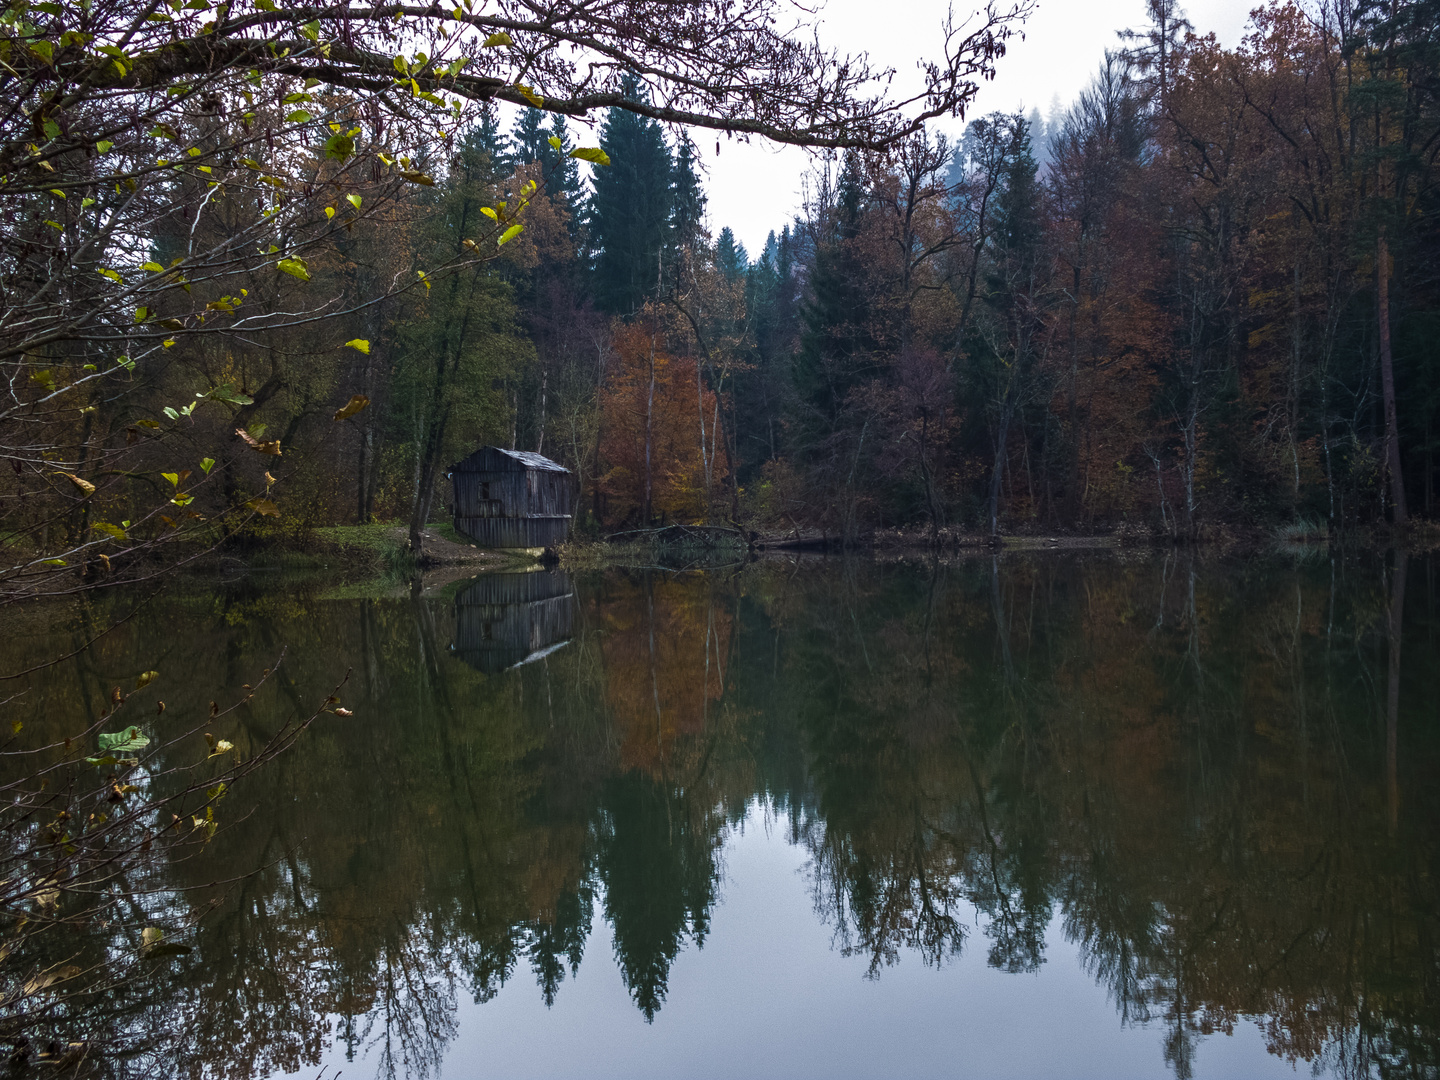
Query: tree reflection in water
1217, 776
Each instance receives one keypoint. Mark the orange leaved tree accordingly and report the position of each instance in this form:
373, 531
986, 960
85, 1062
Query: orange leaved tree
652, 445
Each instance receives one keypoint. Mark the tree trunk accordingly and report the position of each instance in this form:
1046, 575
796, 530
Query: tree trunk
649, 433
1387, 381
1392, 696
997, 472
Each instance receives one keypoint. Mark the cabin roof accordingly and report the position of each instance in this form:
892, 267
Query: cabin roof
526, 458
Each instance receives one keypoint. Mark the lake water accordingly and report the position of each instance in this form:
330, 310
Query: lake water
1082, 815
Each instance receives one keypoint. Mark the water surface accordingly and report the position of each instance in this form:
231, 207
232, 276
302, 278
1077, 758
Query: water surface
1080, 815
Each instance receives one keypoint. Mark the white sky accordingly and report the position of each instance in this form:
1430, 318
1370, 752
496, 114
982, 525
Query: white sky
756, 187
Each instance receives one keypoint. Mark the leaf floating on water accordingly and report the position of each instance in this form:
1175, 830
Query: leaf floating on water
356, 403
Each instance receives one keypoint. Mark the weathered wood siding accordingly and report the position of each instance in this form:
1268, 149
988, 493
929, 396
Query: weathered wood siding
502, 502
505, 619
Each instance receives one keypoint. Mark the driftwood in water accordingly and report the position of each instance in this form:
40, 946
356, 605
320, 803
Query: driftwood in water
670, 536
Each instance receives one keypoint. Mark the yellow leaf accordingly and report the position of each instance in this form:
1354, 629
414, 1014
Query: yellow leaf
86, 488
353, 406
359, 343
264, 507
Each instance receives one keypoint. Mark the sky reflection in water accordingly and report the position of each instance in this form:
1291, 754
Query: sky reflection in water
1065, 815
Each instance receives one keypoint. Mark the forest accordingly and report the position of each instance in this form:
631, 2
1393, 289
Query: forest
1203, 297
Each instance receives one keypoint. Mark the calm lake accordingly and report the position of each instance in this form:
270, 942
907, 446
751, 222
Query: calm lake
1077, 814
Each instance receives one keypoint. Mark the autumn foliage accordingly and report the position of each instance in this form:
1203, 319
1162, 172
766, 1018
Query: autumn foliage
655, 408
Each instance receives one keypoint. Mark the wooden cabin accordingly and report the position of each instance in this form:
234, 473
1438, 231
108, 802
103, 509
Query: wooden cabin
512, 499
505, 620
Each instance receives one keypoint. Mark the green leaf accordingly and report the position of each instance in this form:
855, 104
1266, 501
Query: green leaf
510, 233
54, 562
339, 147
592, 154
295, 267
353, 200
359, 343
555, 143
311, 30
44, 50
110, 530
299, 116
171, 412
206, 464
229, 395
103, 146
496, 41
129, 741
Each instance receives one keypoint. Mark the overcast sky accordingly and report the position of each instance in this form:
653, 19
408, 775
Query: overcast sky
756, 187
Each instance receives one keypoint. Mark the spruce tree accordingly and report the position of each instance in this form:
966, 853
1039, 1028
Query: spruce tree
834, 343
485, 137
731, 257
630, 208
687, 219
531, 140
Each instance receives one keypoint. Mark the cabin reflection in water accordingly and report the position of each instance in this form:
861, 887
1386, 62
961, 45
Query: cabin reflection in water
505, 620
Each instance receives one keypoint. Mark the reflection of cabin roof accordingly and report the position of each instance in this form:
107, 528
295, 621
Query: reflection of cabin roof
482, 460
506, 620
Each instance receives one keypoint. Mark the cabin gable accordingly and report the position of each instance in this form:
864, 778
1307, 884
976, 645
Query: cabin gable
512, 499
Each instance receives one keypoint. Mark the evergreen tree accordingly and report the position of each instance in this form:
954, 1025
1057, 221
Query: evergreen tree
566, 183
834, 344
531, 140
731, 257
485, 137
630, 208
687, 220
